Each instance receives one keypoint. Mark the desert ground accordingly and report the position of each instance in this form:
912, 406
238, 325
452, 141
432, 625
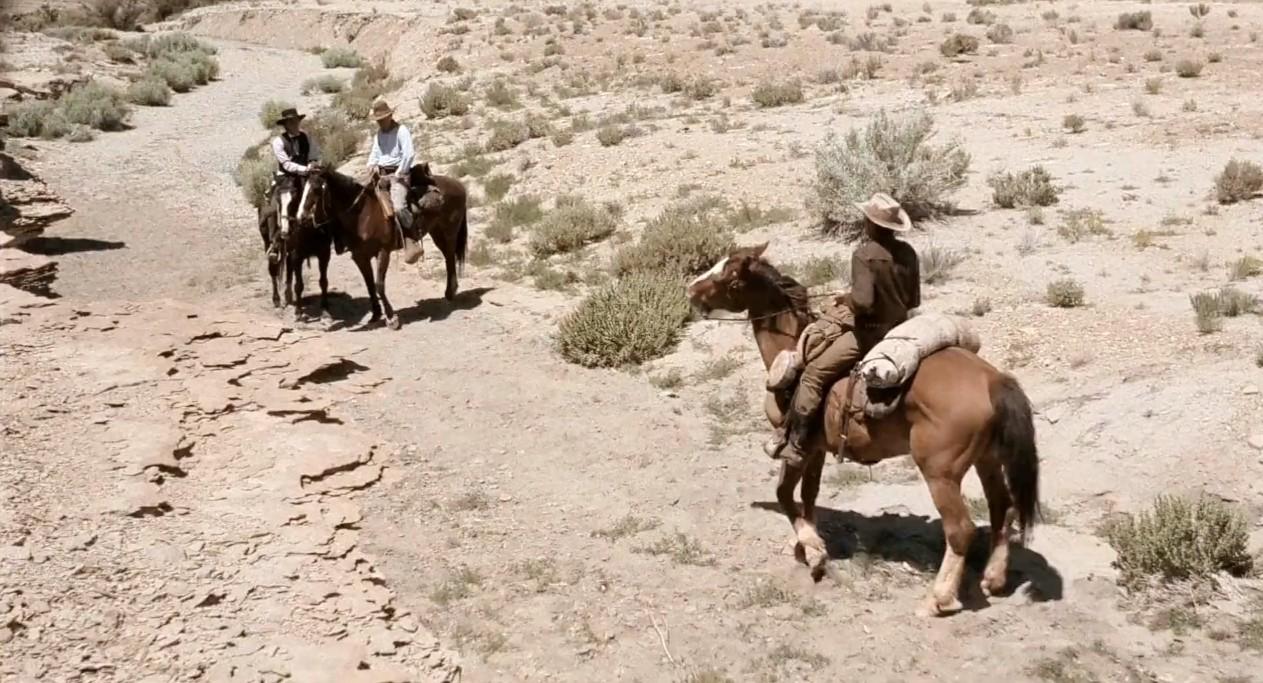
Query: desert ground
199, 487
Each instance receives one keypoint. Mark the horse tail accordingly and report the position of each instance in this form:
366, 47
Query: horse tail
462, 240
1013, 442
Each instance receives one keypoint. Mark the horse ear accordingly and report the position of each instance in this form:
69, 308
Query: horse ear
758, 249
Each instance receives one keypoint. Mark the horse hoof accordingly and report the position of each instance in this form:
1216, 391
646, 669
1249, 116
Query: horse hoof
393, 323
933, 608
992, 586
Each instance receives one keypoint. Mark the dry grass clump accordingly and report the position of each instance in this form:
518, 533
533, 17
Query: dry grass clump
573, 224
448, 65
1239, 181
775, 94
1074, 123
442, 100
495, 187
1064, 293
328, 84
1188, 68
937, 263
1000, 34
686, 238
90, 104
1134, 21
632, 320
891, 155
149, 92
507, 135
502, 96
1032, 187
1245, 267
959, 44
512, 214
1081, 224
1180, 539
369, 83
254, 173
339, 136
1209, 308
341, 58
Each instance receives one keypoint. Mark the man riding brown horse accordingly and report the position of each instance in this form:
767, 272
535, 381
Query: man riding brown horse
390, 166
886, 284
296, 155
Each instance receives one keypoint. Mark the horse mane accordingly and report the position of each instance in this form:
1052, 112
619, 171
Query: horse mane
785, 285
344, 187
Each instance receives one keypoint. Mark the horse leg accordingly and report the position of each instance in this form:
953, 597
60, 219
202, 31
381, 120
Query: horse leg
323, 259
786, 482
297, 269
364, 263
815, 553
383, 264
274, 274
450, 259
289, 279
958, 530
1003, 515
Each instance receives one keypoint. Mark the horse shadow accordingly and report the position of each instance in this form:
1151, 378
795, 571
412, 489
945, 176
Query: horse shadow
438, 309
918, 541
55, 246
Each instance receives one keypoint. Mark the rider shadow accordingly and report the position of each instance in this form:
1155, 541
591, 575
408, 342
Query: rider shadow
54, 246
438, 309
918, 541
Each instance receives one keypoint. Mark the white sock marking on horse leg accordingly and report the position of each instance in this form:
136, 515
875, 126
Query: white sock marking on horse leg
302, 203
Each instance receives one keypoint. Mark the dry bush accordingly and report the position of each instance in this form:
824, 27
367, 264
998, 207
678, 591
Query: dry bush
149, 92
521, 211
369, 83
254, 174
495, 187
271, 111
1153, 86
95, 105
1064, 293
1153, 55
774, 94
1081, 224
500, 95
611, 134
573, 224
958, 44
980, 16
35, 118
1000, 34
118, 53
121, 15
1188, 68
1206, 312
507, 135
448, 64
1244, 268
1134, 21
341, 58
702, 88
1239, 181
686, 238
937, 263
1234, 302
337, 135
1032, 187
441, 100
891, 155
328, 85
627, 322
1180, 539
1074, 123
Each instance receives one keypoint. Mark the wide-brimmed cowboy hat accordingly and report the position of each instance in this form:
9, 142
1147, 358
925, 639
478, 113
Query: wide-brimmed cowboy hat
289, 114
883, 210
381, 110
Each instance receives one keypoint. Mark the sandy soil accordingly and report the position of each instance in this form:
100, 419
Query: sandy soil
551, 522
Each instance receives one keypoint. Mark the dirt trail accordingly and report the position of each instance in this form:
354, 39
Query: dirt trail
564, 524
158, 213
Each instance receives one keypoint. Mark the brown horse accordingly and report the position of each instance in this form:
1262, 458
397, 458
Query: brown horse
957, 412
359, 221
305, 241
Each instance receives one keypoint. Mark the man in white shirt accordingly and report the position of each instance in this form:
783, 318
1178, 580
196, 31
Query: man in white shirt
389, 164
295, 153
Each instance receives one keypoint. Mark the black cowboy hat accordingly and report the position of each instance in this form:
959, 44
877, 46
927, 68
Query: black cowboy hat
288, 114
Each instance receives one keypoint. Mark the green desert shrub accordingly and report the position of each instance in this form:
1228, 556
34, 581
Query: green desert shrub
1134, 21
369, 83
507, 135
254, 174
337, 135
520, 211
1032, 187
1064, 293
1180, 538
95, 105
271, 111
573, 224
686, 238
1239, 181
442, 100
770, 93
149, 92
892, 155
341, 58
31, 118
627, 322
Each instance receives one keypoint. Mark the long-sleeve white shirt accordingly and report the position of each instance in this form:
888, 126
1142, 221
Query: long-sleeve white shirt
285, 162
393, 148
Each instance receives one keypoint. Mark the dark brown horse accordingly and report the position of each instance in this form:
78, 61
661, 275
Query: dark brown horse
359, 221
957, 412
305, 241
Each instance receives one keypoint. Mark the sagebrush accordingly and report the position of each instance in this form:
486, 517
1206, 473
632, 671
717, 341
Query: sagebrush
1180, 538
1239, 181
574, 223
686, 238
892, 155
1032, 187
632, 320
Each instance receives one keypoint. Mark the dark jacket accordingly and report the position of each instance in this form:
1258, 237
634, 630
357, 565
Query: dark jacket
885, 285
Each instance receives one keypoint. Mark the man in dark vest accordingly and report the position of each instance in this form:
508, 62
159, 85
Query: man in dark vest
295, 153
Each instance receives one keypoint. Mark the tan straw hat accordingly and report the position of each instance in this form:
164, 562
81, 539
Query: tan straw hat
381, 110
883, 210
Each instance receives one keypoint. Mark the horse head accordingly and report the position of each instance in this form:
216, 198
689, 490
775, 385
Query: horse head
423, 187
311, 206
725, 286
